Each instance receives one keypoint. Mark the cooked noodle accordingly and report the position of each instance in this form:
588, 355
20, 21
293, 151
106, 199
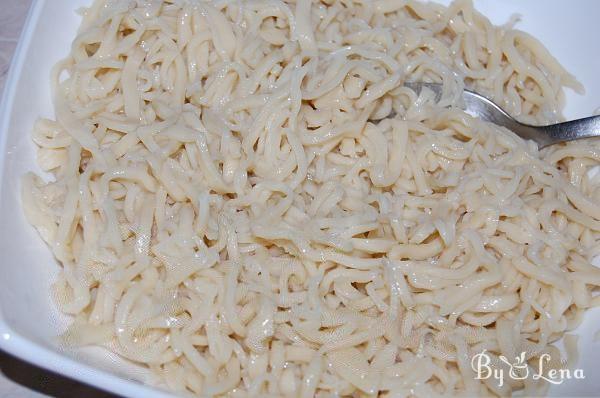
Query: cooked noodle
233, 209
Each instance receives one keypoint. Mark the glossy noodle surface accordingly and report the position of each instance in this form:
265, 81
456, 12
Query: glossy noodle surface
229, 210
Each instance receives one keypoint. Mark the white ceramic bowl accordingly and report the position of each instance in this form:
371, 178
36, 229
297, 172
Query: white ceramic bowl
29, 323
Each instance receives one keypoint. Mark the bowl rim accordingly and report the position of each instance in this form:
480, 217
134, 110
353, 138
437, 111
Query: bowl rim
10, 340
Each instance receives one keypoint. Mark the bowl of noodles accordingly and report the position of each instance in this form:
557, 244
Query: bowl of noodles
242, 198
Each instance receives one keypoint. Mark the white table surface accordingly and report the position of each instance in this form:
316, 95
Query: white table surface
17, 378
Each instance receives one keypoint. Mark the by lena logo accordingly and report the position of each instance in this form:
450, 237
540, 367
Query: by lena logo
519, 369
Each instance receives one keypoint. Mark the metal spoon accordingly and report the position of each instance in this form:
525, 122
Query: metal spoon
485, 109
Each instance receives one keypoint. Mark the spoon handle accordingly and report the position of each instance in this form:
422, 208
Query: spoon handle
485, 109
568, 131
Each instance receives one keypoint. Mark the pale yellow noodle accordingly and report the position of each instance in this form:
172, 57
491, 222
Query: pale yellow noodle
247, 200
